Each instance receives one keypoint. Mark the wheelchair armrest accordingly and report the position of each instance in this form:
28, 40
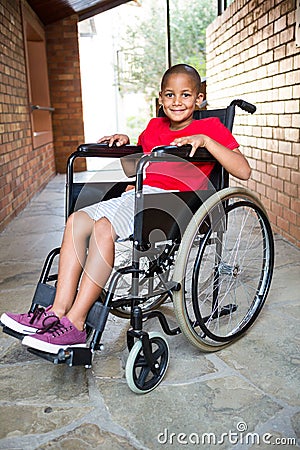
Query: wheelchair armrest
183, 152
128, 154
105, 151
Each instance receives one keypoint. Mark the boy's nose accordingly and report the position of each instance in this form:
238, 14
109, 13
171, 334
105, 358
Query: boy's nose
177, 100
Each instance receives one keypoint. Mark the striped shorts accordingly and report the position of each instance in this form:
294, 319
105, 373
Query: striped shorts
119, 211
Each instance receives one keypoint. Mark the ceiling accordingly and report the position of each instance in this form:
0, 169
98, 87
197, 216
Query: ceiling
50, 11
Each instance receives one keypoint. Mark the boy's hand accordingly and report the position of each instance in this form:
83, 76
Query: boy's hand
117, 139
196, 141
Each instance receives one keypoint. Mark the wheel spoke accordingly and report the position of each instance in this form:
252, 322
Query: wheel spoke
141, 380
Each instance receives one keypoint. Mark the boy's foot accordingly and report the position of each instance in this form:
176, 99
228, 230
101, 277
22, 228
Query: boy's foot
29, 323
61, 335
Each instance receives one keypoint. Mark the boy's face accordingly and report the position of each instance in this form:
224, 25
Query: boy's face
179, 98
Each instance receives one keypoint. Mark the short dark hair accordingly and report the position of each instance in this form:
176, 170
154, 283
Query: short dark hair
182, 68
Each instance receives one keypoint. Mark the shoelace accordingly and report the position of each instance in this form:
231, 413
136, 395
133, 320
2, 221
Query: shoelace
56, 328
37, 313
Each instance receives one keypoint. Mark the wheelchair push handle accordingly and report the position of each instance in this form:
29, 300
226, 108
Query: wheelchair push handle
245, 106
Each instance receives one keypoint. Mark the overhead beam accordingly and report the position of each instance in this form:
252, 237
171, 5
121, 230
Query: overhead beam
105, 5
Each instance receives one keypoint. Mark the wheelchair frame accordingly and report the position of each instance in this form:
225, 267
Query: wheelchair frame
196, 286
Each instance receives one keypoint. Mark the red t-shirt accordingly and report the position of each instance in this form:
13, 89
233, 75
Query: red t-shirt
182, 176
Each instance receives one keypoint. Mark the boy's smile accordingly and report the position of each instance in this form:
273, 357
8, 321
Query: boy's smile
179, 98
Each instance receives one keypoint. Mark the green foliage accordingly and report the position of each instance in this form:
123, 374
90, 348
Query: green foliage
142, 56
134, 125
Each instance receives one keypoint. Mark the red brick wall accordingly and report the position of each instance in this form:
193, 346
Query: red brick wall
23, 169
251, 54
65, 89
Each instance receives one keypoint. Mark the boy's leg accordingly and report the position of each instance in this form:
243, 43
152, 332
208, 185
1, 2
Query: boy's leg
97, 270
79, 228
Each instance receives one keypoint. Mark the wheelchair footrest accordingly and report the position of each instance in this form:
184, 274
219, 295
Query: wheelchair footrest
12, 333
72, 356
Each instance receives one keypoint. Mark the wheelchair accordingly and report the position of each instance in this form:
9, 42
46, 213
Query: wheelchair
210, 253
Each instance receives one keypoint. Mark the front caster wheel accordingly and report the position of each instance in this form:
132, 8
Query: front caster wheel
142, 378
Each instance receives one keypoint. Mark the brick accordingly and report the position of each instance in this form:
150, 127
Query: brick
291, 162
291, 17
272, 170
277, 209
266, 132
293, 77
290, 189
284, 199
261, 189
291, 106
294, 234
285, 92
280, 24
295, 120
266, 156
290, 216
271, 193
285, 147
295, 205
295, 178
284, 173
282, 223
292, 134
296, 148
278, 133
277, 184
272, 120
277, 159
273, 68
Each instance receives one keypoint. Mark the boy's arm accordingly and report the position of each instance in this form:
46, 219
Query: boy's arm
232, 160
129, 162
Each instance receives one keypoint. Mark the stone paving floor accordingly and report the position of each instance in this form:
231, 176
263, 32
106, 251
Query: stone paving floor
243, 397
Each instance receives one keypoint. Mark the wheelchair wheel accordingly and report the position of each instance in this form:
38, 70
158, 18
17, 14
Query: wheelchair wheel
140, 377
225, 265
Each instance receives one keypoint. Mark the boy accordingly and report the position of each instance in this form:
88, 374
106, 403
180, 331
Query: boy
96, 227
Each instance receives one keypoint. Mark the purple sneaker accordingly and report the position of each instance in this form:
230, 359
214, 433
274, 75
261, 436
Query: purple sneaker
62, 334
29, 323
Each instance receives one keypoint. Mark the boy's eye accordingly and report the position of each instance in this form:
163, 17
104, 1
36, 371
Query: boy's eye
169, 94
186, 94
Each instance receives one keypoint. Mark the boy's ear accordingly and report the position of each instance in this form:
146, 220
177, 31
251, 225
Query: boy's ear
159, 98
199, 99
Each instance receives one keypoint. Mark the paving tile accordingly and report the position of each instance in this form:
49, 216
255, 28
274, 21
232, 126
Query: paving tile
269, 357
29, 247
18, 420
43, 383
17, 300
87, 436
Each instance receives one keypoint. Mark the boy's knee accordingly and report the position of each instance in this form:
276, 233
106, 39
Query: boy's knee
79, 222
103, 228
73, 219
